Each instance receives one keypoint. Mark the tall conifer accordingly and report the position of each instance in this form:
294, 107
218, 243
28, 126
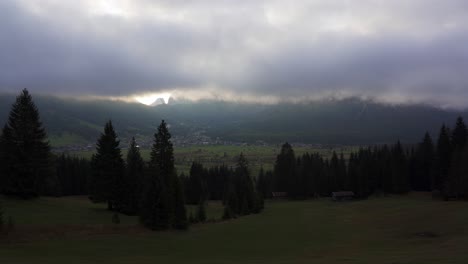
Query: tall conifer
456, 183
180, 212
162, 203
2, 221
422, 168
459, 135
443, 155
108, 170
24, 150
399, 170
285, 169
196, 186
133, 179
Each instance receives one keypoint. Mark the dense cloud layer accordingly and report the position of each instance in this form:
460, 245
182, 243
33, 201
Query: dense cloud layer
253, 50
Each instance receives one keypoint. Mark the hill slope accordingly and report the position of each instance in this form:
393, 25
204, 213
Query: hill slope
350, 121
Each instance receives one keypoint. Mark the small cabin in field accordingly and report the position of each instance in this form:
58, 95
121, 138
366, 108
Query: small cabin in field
342, 196
279, 195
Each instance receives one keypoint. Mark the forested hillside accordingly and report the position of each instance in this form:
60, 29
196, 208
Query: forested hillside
350, 121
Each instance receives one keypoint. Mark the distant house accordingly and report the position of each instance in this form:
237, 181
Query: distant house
343, 196
279, 195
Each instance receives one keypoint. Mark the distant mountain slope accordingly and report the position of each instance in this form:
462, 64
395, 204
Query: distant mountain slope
350, 121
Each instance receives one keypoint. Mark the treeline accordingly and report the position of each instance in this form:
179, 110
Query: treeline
152, 190
441, 168
71, 176
366, 171
27, 166
234, 186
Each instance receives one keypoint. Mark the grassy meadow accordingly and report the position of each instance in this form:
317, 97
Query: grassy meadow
212, 155
397, 229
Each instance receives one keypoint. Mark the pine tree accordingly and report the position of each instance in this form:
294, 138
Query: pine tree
245, 186
458, 171
231, 203
154, 207
399, 170
2, 222
159, 201
423, 159
353, 174
201, 211
463, 175
325, 189
305, 177
384, 157
335, 173
162, 153
196, 188
133, 179
108, 170
180, 212
367, 171
269, 178
443, 155
263, 183
285, 169
453, 181
342, 173
5, 160
24, 150
72, 174
459, 135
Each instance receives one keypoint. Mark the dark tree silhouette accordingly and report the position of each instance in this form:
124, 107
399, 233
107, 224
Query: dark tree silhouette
133, 179
180, 212
201, 211
231, 203
196, 185
2, 221
72, 174
456, 183
422, 167
399, 170
241, 197
25, 158
459, 135
443, 155
154, 208
108, 170
285, 169
162, 201
264, 183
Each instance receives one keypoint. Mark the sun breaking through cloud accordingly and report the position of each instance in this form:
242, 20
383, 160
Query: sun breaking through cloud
393, 51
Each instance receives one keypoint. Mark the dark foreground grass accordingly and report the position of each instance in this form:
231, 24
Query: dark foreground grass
407, 229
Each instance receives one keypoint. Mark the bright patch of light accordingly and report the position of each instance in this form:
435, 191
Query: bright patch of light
106, 7
149, 99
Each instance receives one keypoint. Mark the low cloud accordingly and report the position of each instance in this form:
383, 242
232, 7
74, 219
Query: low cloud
392, 51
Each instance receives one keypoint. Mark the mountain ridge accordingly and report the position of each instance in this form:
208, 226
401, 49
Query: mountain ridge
349, 121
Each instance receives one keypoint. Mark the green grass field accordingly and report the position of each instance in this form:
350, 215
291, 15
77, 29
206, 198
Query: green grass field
399, 229
66, 139
212, 155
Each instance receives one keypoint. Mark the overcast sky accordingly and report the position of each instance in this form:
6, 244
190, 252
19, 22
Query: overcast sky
393, 51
